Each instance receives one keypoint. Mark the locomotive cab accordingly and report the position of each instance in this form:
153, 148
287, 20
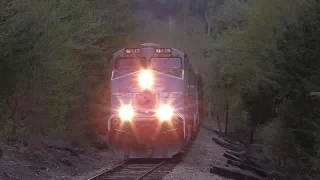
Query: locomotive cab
150, 116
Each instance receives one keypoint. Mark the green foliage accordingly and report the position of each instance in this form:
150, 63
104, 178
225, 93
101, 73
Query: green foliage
45, 62
299, 68
271, 59
229, 14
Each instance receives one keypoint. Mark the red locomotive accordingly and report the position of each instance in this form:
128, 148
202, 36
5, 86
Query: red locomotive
156, 102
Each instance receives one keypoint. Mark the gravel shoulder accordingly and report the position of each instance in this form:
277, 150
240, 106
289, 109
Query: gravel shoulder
196, 164
23, 162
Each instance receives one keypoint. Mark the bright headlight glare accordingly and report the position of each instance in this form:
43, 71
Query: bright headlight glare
126, 113
165, 112
145, 79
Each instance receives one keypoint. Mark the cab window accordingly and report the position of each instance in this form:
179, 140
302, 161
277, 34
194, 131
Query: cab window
165, 63
130, 63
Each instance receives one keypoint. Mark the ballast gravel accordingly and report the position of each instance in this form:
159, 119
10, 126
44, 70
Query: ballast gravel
196, 164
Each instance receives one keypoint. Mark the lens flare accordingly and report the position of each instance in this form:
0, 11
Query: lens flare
146, 79
165, 112
126, 113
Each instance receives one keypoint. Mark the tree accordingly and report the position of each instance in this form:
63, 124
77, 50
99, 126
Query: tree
44, 62
299, 68
210, 15
266, 64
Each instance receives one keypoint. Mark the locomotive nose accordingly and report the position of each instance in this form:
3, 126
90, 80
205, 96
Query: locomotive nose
146, 99
147, 133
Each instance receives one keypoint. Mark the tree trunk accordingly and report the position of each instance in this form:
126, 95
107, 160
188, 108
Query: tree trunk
208, 24
227, 114
251, 135
219, 126
285, 161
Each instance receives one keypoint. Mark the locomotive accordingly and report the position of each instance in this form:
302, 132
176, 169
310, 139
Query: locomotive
156, 102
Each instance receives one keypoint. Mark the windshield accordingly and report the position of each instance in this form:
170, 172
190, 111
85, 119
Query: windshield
165, 63
129, 63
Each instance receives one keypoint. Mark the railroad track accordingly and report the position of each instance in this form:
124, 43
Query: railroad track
138, 170
146, 169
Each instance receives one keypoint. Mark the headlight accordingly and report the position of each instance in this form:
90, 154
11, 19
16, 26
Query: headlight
146, 79
126, 113
165, 112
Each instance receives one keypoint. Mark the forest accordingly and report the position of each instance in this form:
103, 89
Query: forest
261, 58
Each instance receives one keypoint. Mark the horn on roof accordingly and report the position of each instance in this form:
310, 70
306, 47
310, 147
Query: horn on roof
149, 45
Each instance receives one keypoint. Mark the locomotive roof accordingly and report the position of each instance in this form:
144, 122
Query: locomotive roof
148, 44
144, 45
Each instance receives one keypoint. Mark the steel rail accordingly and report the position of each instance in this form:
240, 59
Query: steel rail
152, 171
112, 169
